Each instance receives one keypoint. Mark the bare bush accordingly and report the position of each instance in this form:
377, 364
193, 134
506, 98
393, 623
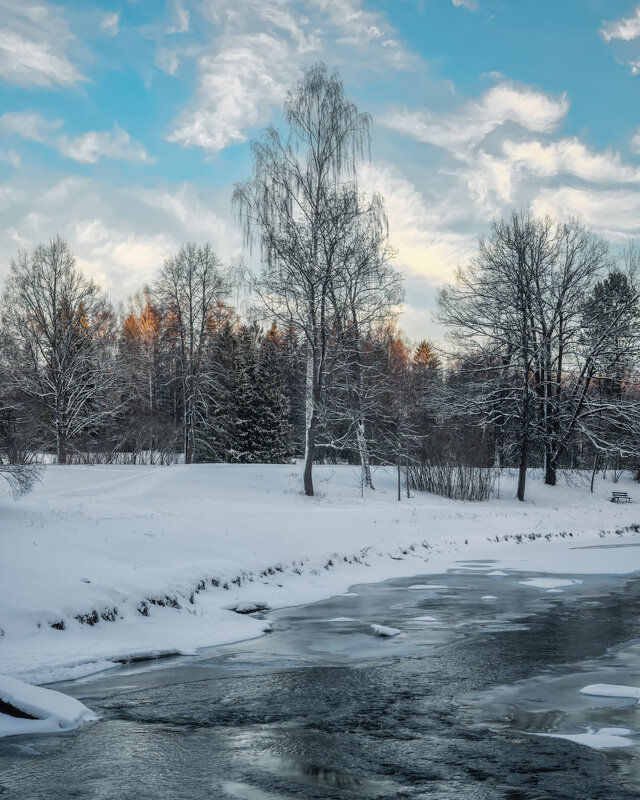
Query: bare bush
455, 481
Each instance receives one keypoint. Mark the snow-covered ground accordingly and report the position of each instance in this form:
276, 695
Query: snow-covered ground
114, 562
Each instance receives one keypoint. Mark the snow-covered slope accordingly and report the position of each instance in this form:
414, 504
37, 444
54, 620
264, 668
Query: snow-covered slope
101, 563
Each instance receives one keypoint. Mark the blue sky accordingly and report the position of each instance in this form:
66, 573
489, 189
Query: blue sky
123, 125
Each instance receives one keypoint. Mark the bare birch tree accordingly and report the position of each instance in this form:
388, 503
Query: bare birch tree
286, 207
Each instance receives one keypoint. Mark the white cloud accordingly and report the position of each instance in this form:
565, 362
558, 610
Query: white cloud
423, 233
110, 23
257, 54
614, 214
472, 122
634, 144
29, 125
119, 236
34, 38
103, 252
472, 5
94, 145
625, 28
573, 157
236, 89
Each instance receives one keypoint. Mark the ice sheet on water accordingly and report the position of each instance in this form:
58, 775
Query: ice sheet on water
424, 619
611, 690
550, 583
597, 738
418, 586
342, 619
44, 710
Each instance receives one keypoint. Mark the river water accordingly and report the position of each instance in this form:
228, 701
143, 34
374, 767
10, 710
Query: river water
452, 708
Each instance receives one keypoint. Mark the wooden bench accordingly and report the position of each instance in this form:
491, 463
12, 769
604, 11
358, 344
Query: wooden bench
617, 497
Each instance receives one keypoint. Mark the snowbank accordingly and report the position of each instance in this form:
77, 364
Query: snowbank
32, 709
117, 562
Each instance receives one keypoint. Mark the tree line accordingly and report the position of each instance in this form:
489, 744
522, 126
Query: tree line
540, 368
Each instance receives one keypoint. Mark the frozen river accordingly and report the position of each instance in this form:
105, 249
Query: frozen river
470, 700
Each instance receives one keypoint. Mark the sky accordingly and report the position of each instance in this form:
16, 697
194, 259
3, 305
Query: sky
124, 125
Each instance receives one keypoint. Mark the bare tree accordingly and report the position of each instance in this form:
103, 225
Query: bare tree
516, 313
61, 331
188, 289
287, 206
365, 295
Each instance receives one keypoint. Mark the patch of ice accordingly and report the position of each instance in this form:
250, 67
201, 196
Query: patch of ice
349, 594
382, 630
611, 690
550, 583
597, 738
489, 597
341, 619
554, 591
426, 586
424, 619
49, 711
497, 572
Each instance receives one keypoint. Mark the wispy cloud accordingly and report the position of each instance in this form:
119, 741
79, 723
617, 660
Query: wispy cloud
476, 119
110, 23
572, 157
29, 125
614, 213
472, 5
34, 39
11, 158
94, 145
181, 19
87, 148
625, 28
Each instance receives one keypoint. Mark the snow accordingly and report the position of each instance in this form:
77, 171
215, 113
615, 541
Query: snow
497, 572
135, 561
611, 690
597, 738
383, 630
550, 583
53, 711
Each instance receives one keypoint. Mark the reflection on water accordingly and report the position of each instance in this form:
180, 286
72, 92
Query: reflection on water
323, 708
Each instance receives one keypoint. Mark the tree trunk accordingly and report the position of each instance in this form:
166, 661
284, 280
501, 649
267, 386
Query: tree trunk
364, 455
522, 472
594, 470
62, 448
550, 468
308, 456
399, 477
310, 429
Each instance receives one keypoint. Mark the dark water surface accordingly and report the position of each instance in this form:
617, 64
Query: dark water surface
449, 709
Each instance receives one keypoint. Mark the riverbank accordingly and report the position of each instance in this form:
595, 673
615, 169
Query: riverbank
106, 563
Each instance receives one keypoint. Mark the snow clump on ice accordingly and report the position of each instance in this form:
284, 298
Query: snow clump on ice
31, 709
